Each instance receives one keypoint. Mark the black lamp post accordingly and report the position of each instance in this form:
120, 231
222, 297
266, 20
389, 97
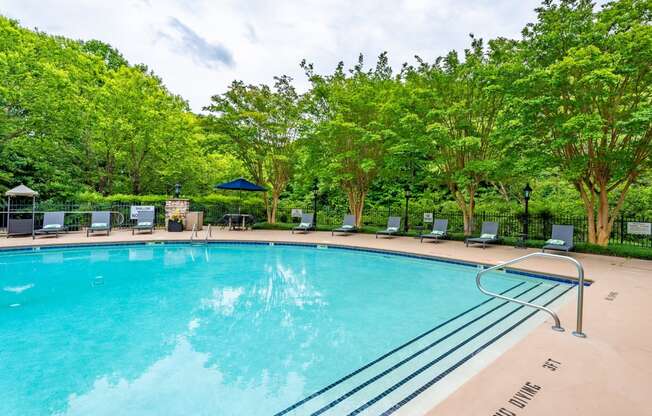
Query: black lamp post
177, 190
407, 202
315, 188
527, 191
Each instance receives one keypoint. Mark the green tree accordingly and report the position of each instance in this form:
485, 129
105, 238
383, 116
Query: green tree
261, 125
142, 130
350, 136
586, 102
454, 108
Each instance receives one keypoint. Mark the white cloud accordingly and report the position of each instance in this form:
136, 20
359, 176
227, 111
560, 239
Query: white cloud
199, 47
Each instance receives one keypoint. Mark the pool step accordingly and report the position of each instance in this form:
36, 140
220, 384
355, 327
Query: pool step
387, 383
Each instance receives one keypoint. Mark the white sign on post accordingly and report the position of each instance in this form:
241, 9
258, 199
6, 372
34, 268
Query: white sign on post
296, 212
639, 228
135, 209
427, 217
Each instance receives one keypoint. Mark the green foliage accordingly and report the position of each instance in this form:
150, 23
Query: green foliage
567, 108
585, 102
348, 142
75, 115
260, 125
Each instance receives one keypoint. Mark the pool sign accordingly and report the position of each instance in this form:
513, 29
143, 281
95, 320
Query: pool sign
427, 217
639, 228
135, 209
296, 212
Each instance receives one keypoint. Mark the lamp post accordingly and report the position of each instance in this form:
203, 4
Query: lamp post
527, 192
407, 201
315, 188
177, 190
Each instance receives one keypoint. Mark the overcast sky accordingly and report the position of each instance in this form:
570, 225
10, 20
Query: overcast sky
198, 47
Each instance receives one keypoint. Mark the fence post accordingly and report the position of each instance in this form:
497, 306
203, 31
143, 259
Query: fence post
622, 227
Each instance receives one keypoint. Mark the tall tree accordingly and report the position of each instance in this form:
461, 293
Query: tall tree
261, 125
350, 136
456, 105
141, 128
586, 102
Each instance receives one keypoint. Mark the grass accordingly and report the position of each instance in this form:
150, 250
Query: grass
619, 250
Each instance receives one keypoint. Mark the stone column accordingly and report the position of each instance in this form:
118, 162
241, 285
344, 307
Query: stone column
183, 205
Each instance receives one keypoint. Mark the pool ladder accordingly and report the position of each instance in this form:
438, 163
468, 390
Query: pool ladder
194, 235
580, 289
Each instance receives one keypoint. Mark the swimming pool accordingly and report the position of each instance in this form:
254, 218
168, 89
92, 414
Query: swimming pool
240, 329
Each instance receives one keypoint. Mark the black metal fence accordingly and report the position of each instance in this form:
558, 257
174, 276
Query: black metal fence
78, 216
510, 224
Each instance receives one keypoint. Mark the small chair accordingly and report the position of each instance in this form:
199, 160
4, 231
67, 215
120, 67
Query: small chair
52, 224
561, 239
348, 226
439, 231
100, 222
393, 226
307, 223
144, 222
489, 235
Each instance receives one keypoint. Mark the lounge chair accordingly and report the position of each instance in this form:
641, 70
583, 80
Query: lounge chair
561, 239
393, 226
145, 222
348, 226
100, 222
439, 231
307, 223
489, 235
52, 224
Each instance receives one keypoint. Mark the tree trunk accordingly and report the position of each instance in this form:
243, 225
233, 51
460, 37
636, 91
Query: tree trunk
468, 222
274, 207
599, 226
135, 183
268, 208
356, 199
467, 208
603, 225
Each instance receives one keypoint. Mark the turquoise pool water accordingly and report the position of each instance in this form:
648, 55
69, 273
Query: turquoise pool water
207, 330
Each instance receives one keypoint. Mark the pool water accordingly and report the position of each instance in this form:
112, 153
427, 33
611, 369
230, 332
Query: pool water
221, 329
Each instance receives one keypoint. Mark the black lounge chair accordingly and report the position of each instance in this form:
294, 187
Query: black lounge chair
393, 226
52, 224
145, 222
307, 223
489, 235
439, 231
348, 226
562, 239
100, 222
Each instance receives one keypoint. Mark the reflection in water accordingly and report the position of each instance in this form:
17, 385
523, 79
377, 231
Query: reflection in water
223, 300
174, 257
181, 384
18, 289
53, 258
99, 255
141, 254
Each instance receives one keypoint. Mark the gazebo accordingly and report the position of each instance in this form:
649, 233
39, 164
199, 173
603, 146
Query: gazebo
18, 226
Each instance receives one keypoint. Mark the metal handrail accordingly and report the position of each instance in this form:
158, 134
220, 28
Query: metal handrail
580, 290
209, 233
193, 233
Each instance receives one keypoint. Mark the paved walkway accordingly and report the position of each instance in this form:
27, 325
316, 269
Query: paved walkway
546, 373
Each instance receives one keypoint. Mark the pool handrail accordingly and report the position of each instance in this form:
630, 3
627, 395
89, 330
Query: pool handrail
580, 289
209, 233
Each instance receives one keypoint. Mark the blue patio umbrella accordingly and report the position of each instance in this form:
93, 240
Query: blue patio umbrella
240, 185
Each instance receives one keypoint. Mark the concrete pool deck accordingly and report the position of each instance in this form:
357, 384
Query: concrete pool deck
609, 372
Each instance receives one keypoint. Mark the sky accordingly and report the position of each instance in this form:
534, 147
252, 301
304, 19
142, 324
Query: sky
198, 47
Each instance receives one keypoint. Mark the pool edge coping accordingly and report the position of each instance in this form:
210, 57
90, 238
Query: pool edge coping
401, 253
